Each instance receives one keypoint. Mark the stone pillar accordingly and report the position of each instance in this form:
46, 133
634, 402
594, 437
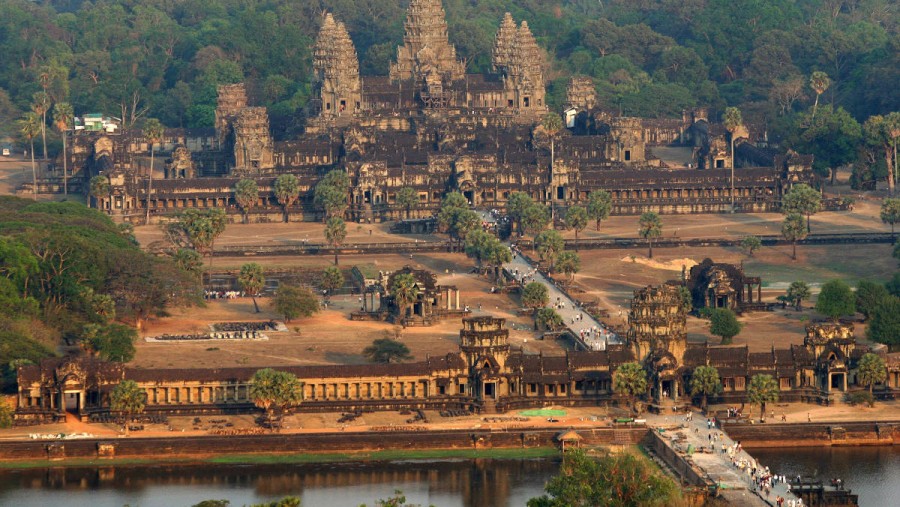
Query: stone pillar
457, 299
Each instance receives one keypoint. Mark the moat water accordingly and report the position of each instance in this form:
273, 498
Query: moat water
871, 472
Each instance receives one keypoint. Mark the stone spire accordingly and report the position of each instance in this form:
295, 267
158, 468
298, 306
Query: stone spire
336, 68
426, 47
524, 73
504, 43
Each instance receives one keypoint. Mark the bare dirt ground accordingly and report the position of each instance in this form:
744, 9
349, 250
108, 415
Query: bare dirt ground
330, 337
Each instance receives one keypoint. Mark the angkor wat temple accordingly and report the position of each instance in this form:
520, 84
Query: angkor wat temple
430, 126
486, 374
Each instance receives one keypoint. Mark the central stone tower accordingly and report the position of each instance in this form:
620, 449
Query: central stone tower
657, 322
336, 70
426, 48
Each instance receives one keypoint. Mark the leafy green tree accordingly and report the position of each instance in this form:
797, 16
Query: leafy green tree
288, 501
331, 193
405, 291
386, 350
705, 382
797, 292
129, 398
762, 389
802, 200
63, 116
477, 244
568, 263
893, 285
535, 219
30, 127
332, 279
407, 199
6, 414
869, 295
835, 299
576, 220
871, 371
496, 255
599, 206
535, 295
153, 133
246, 195
516, 205
890, 212
190, 261
287, 191
275, 391
650, 227
294, 302
99, 187
202, 227
548, 319
335, 234
114, 342
819, 82
687, 299
724, 324
455, 217
884, 325
252, 279
549, 245
750, 244
832, 137
630, 380
733, 121
793, 229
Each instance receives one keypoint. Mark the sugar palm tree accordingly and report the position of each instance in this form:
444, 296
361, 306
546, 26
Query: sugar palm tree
819, 82
650, 226
404, 291
763, 389
287, 190
30, 127
129, 398
733, 121
153, 132
335, 234
705, 382
62, 120
41, 107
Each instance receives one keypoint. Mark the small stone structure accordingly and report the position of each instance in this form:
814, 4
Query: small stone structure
721, 285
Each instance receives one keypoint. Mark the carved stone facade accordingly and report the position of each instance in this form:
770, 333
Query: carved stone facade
433, 128
180, 165
580, 93
336, 68
253, 148
426, 53
486, 374
720, 285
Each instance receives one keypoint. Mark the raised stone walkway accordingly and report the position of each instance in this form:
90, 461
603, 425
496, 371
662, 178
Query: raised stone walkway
575, 319
733, 482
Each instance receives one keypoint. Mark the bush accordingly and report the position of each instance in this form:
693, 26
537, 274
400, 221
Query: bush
861, 397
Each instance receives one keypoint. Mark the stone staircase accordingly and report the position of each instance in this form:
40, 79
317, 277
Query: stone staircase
488, 406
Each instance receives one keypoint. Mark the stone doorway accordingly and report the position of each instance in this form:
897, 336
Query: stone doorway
490, 390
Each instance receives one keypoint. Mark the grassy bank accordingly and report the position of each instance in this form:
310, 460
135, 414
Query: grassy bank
276, 459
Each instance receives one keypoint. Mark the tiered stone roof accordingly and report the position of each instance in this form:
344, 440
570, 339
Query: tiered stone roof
504, 43
426, 45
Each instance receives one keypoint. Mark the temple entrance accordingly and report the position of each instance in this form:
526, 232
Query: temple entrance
837, 381
470, 197
561, 193
667, 389
490, 390
72, 401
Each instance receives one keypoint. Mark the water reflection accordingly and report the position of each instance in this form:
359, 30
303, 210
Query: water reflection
464, 483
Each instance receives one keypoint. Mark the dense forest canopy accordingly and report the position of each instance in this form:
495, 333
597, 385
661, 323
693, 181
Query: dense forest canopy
648, 57
69, 275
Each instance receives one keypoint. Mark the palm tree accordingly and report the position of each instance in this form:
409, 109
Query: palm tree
705, 382
335, 234
733, 121
252, 279
287, 191
153, 132
871, 371
246, 194
41, 107
62, 120
630, 380
404, 291
763, 389
128, 397
407, 198
819, 82
650, 226
30, 127
552, 125
99, 187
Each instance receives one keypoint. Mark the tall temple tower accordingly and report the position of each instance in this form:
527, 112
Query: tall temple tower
518, 58
336, 68
657, 321
229, 102
426, 49
254, 151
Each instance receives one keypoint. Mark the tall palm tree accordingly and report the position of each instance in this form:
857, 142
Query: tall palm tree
405, 291
30, 127
819, 82
41, 106
62, 120
335, 234
733, 121
153, 132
